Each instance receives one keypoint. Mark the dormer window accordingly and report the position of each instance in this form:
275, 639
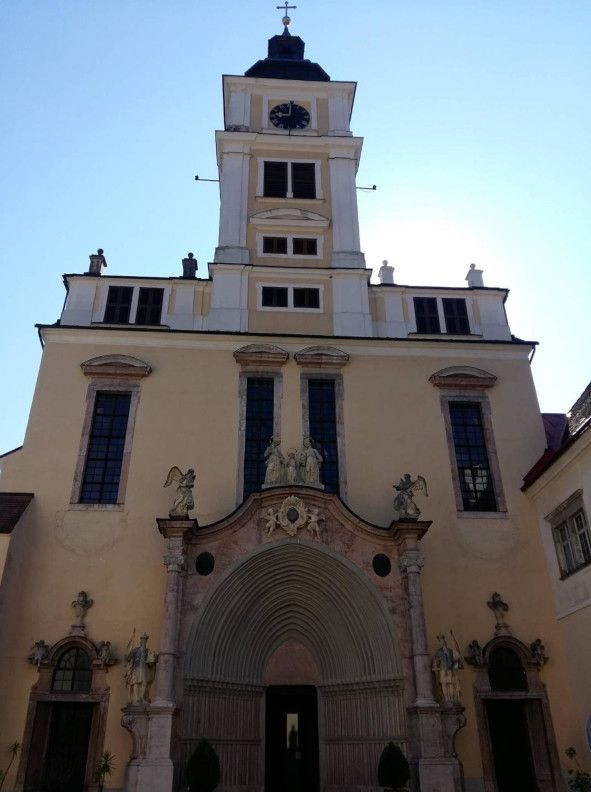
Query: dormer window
122, 308
441, 315
281, 179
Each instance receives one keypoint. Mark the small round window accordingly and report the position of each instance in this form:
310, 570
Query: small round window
73, 673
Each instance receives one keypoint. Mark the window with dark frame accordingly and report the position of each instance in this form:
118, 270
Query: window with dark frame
303, 179
275, 245
573, 542
306, 298
456, 316
426, 315
257, 432
149, 306
73, 673
274, 296
275, 179
303, 246
276, 183
106, 444
474, 473
322, 418
118, 304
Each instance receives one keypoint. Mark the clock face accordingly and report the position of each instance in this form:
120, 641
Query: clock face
289, 116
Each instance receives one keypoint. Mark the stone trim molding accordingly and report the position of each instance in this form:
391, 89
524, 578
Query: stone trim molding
294, 217
564, 509
337, 378
322, 357
462, 377
477, 396
260, 355
252, 371
116, 366
126, 385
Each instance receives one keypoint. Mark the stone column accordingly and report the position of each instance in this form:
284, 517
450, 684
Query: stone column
411, 563
175, 532
150, 768
437, 767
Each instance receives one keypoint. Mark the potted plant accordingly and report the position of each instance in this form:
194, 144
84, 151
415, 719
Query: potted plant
393, 769
104, 768
203, 768
578, 779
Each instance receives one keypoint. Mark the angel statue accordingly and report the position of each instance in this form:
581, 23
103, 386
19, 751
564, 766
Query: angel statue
183, 500
404, 501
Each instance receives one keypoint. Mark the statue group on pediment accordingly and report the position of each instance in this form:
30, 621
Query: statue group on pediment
296, 467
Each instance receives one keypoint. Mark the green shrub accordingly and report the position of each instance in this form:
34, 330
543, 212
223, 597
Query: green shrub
579, 780
203, 768
393, 769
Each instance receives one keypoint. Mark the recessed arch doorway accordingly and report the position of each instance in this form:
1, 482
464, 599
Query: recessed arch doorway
282, 596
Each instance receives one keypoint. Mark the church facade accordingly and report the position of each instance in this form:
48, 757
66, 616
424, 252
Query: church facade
359, 566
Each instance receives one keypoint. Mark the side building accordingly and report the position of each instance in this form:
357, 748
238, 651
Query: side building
300, 622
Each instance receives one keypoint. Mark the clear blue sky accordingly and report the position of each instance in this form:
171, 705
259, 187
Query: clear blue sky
476, 117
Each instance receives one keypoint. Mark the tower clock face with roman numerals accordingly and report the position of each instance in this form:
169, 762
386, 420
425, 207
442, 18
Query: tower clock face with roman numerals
289, 116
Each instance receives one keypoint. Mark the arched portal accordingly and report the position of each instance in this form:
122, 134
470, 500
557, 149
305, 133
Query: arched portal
298, 592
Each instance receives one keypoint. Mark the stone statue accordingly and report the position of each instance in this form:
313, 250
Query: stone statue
183, 500
476, 655
270, 518
274, 462
499, 608
404, 501
314, 517
39, 653
105, 654
312, 460
141, 670
292, 473
538, 651
447, 662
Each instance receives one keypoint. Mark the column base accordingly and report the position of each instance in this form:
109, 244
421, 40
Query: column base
150, 768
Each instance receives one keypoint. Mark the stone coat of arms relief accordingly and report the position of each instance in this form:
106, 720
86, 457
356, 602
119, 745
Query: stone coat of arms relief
292, 516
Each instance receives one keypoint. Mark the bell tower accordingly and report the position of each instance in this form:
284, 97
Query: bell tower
287, 161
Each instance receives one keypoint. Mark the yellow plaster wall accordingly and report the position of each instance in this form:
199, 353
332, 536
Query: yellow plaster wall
188, 416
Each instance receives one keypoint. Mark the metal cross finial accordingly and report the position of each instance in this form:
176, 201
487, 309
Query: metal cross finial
286, 7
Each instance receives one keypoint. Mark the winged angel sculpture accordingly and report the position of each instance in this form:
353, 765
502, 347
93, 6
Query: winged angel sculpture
183, 500
404, 501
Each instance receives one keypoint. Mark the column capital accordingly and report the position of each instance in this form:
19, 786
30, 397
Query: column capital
408, 533
173, 528
411, 561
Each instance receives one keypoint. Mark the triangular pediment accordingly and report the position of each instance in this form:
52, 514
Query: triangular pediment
290, 216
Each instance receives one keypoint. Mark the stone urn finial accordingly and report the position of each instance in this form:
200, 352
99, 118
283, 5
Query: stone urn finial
81, 605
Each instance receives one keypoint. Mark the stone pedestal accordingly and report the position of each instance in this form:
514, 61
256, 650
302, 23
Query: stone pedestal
150, 768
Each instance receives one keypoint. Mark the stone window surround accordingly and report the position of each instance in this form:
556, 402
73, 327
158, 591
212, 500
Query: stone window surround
290, 287
563, 514
42, 693
465, 384
290, 254
253, 369
109, 374
290, 160
314, 374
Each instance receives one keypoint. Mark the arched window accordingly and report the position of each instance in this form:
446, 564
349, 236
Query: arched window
505, 670
73, 673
